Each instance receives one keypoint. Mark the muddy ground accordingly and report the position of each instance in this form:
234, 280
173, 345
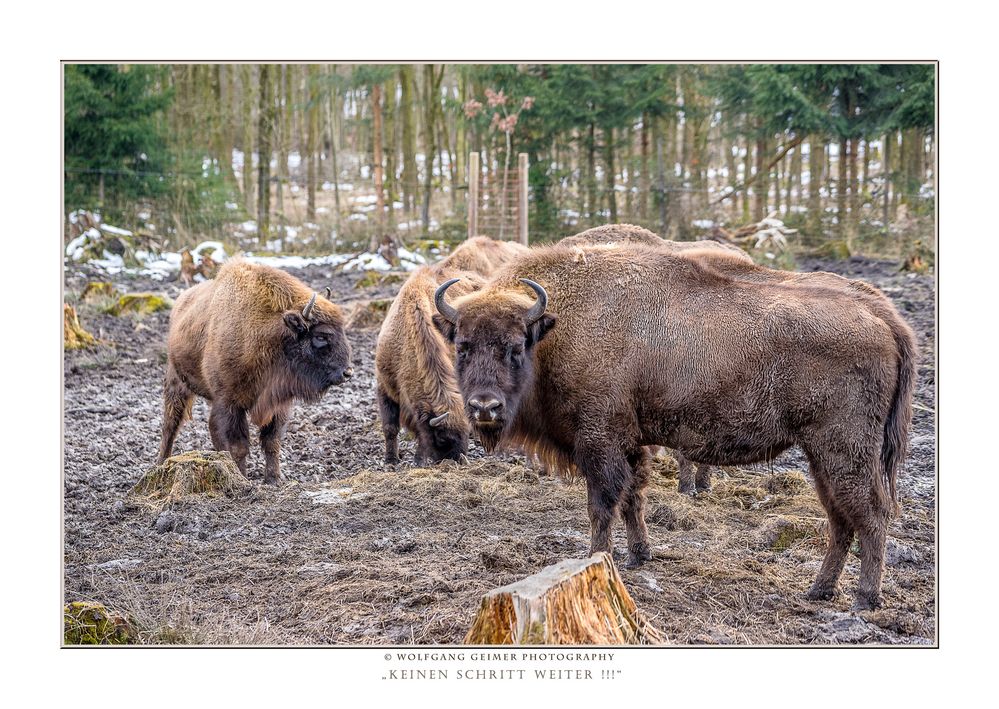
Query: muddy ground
349, 551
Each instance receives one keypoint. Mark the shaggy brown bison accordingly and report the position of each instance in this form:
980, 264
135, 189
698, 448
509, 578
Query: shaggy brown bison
413, 363
482, 255
250, 341
641, 347
610, 235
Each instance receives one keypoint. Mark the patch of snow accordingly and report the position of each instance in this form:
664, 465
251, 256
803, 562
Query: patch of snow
115, 230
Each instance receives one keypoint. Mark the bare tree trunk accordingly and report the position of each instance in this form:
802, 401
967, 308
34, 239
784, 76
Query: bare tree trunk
376, 117
265, 121
841, 190
644, 184
312, 142
246, 81
335, 119
409, 172
609, 177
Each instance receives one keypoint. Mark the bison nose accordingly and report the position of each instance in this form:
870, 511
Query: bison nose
485, 410
348, 372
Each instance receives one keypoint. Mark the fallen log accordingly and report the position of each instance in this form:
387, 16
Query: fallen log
573, 602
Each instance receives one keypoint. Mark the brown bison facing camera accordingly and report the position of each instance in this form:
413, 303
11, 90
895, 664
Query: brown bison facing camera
642, 347
251, 341
414, 364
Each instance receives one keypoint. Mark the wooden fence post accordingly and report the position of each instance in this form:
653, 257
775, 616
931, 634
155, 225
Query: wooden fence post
522, 198
473, 194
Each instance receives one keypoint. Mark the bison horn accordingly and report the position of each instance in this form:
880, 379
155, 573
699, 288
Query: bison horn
329, 293
439, 420
307, 312
538, 309
449, 313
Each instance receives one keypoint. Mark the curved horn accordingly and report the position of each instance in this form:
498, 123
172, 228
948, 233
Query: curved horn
538, 309
449, 313
307, 311
437, 421
329, 293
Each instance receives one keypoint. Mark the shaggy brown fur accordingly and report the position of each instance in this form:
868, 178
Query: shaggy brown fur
610, 235
641, 347
241, 342
482, 255
413, 363
415, 370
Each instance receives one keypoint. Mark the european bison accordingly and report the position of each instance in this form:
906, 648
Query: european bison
642, 347
416, 384
482, 255
251, 341
413, 363
610, 235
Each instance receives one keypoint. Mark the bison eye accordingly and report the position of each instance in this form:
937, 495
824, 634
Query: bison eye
319, 341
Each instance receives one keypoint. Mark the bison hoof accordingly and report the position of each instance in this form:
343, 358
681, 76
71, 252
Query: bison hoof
273, 479
865, 602
638, 557
392, 460
703, 489
820, 593
689, 491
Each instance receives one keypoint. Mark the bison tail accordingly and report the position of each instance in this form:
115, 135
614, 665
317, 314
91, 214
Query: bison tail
896, 438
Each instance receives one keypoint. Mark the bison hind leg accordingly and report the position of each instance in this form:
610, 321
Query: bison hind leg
230, 431
844, 485
177, 402
703, 479
633, 510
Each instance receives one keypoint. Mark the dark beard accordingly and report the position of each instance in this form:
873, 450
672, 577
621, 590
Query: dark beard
490, 437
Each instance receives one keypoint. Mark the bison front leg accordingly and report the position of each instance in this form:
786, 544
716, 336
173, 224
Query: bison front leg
607, 476
270, 442
633, 511
388, 409
230, 432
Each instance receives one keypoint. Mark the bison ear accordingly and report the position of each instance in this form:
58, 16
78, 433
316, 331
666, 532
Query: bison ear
295, 323
537, 331
445, 326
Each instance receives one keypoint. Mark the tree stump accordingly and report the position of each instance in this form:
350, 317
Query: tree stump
191, 473
574, 602
74, 337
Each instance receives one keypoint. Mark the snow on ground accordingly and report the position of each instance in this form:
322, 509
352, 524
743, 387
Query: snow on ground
160, 266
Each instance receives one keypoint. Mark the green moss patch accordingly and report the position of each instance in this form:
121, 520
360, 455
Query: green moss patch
87, 623
140, 304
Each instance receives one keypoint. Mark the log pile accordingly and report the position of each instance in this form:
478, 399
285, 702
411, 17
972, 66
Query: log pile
769, 233
574, 602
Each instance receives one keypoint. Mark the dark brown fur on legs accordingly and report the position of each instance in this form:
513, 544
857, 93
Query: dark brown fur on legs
388, 410
251, 341
615, 352
689, 484
633, 509
270, 440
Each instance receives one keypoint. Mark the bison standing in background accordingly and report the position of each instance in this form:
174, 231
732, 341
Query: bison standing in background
251, 341
413, 362
482, 255
642, 347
